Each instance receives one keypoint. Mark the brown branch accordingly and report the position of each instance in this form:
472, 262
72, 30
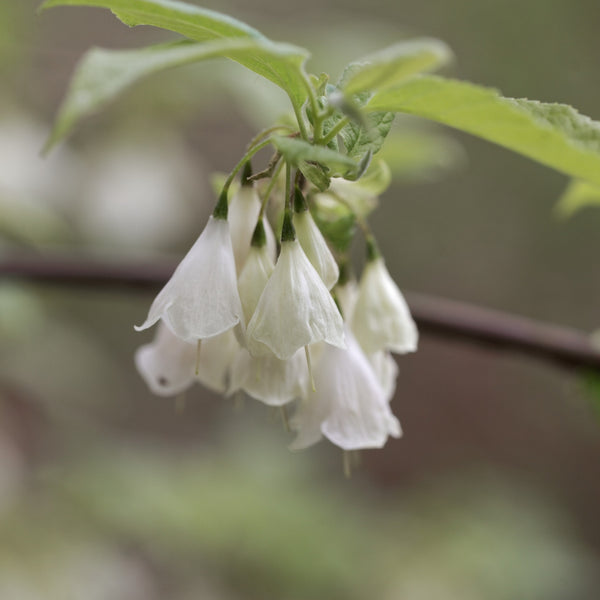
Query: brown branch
561, 345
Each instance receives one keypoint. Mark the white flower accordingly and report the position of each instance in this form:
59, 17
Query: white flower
201, 299
166, 364
313, 243
269, 379
381, 319
253, 278
346, 295
348, 405
244, 209
215, 360
295, 308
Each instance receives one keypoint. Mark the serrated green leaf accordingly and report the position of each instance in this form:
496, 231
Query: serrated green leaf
297, 151
394, 64
102, 75
579, 194
284, 68
359, 140
555, 135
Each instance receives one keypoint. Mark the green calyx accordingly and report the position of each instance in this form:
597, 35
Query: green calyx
300, 204
288, 233
259, 237
222, 208
372, 249
246, 174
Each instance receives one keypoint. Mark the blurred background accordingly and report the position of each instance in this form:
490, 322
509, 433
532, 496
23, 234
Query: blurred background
108, 492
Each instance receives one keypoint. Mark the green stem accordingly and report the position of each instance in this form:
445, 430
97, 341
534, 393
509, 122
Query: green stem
335, 130
301, 123
267, 132
249, 154
270, 187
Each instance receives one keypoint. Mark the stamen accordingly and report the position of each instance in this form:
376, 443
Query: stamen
284, 418
199, 347
347, 457
309, 364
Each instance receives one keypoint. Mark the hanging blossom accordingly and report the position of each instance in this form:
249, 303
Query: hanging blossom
348, 405
381, 318
244, 211
295, 308
235, 319
201, 299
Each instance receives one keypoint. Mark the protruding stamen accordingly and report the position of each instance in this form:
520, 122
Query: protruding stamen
309, 365
198, 348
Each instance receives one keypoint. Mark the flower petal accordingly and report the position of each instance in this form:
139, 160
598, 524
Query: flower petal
382, 319
295, 308
166, 364
201, 299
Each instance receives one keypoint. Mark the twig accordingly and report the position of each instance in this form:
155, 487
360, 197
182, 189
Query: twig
438, 316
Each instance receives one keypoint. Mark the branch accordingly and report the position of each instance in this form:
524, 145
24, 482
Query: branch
458, 320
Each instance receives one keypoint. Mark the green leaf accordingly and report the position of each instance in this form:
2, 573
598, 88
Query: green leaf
102, 74
297, 151
284, 68
555, 135
578, 195
395, 64
359, 140
316, 174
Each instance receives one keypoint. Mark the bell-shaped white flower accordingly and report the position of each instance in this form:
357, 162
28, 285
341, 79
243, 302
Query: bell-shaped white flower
254, 276
244, 209
201, 299
214, 361
269, 379
295, 308
313, 243
382, 319
166, 364
348, 406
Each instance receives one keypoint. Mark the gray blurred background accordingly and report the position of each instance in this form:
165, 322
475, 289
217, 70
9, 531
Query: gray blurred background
108, 492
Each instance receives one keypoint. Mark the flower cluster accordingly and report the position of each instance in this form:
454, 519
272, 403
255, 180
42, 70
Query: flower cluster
283, 328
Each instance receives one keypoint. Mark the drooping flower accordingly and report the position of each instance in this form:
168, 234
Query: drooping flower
256, 272
167, 363
244, 210
201, 299
348, 406
268, 378
382, 319
295, 308
313, 243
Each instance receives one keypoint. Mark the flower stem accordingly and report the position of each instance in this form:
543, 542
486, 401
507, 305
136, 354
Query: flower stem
252, 150
267, 194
